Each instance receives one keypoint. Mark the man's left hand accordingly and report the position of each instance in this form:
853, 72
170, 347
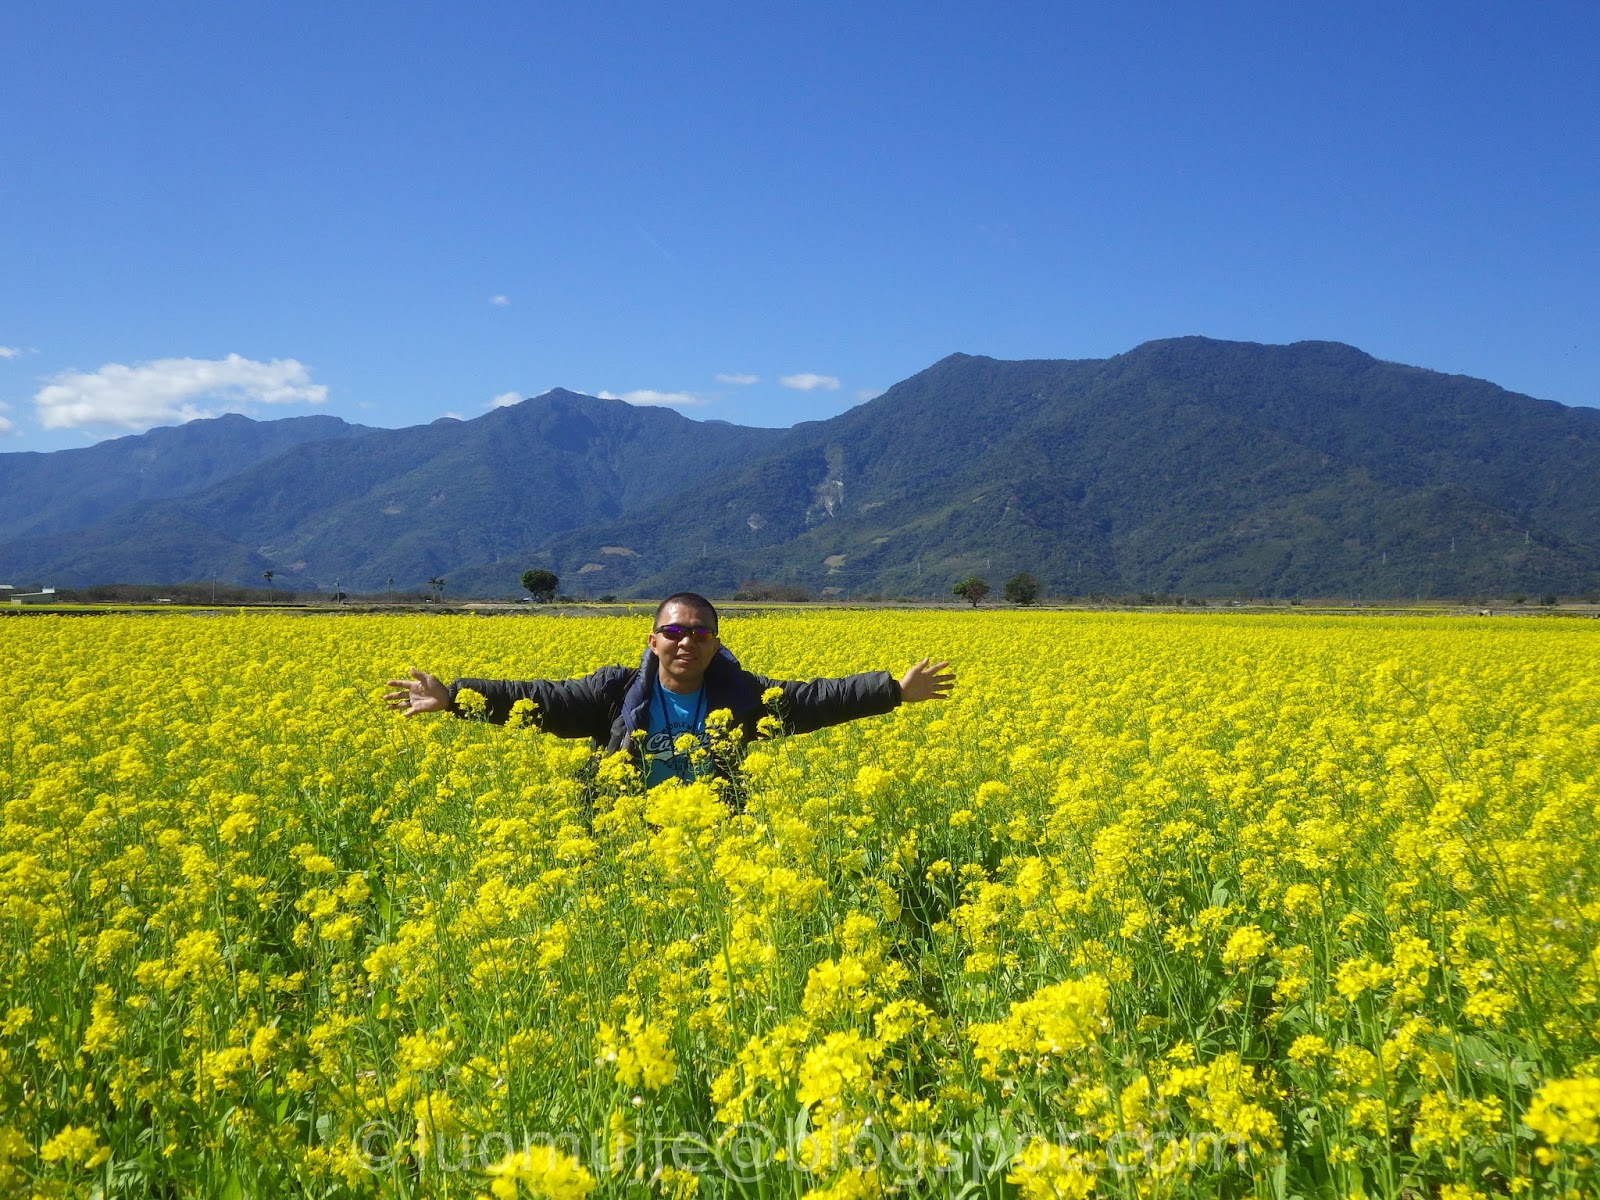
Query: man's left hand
926, 681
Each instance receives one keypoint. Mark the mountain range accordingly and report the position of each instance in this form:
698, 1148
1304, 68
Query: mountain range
1186, 465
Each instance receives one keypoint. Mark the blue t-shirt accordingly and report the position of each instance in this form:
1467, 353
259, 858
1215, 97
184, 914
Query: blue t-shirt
672, 714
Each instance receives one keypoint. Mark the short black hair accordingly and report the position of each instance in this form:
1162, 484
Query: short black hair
692, 600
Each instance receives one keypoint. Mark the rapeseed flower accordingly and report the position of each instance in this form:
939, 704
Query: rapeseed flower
540, 1171
1317, 890
75, 1146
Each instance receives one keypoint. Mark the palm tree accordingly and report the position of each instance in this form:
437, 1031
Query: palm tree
267, 575
437, 584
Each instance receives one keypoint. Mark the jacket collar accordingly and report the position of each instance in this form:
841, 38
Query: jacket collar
727, 686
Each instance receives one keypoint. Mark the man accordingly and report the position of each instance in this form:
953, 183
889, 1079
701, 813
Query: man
686, 673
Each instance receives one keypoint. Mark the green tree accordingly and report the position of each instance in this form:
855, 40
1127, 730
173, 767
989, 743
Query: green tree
971, 589
437, 584
1021, 588
541, 583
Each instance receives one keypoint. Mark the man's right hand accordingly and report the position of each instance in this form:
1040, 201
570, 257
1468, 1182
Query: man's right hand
926, 681
422, 693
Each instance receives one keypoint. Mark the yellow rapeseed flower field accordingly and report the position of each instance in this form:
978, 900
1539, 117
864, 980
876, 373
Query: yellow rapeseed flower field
1155, 906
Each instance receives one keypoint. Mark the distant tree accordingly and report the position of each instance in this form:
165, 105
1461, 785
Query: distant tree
541, 583
267, 575
437, 584
971, 589
1021, 588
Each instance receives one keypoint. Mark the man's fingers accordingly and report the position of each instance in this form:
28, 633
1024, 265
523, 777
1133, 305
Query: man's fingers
927, 680
415, 695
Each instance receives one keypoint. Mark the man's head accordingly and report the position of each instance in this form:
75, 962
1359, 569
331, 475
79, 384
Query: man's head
684, 640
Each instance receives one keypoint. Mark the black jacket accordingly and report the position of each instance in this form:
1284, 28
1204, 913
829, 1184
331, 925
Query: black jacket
608, 705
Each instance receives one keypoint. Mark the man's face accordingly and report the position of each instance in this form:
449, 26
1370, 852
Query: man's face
683, 660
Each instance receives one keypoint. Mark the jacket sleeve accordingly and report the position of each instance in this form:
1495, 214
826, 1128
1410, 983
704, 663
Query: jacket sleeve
570, 708
818, 703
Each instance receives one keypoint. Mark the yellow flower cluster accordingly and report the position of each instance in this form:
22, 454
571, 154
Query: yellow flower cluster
1153, 906
642, 1054
540, 1171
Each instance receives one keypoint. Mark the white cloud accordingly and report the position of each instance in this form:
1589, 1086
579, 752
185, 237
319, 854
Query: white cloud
865, 394
808, 382
737, 378
505, 400
450, 415
647, 396
500, 301
6, 427
10, 352
171, 390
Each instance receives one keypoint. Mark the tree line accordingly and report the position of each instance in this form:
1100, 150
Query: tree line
1021, 589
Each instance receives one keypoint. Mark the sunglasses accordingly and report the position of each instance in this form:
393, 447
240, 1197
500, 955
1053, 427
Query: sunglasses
676, 633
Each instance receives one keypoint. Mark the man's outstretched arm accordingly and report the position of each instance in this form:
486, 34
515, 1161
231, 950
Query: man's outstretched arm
565, 707
818, 703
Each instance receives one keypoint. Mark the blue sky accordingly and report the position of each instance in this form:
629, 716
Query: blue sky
391, 212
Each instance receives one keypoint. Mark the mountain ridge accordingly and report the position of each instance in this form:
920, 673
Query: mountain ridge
42, 493
332, 510
1184, 464
1092, 453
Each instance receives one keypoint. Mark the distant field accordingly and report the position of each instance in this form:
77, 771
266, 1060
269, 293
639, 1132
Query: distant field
590, 608
1164, 905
